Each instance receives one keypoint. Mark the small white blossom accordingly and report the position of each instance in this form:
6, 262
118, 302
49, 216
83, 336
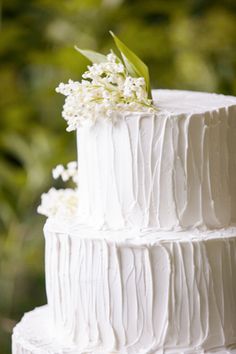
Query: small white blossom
66, 173
72, 165
65, 176
111, 57
57, 171
61, 203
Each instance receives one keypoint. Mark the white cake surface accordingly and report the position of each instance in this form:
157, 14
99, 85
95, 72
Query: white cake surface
148, 264
134, 236
190, 102
175, 169
33, 336
151, 294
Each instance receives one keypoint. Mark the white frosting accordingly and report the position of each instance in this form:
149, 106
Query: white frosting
155, 296
168, 170
33, 336
128, 288
133, 236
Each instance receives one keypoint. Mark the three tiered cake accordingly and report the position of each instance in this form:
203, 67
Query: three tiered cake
146, 263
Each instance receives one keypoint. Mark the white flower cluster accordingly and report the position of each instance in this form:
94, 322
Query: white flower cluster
105, 88
66, 173
59, 203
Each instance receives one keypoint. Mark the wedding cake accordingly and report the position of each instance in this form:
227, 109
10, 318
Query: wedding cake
141, 254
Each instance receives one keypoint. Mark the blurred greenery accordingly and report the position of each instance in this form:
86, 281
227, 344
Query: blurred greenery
187, 45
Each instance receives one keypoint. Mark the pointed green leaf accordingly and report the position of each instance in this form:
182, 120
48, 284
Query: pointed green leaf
92, 56
135, 66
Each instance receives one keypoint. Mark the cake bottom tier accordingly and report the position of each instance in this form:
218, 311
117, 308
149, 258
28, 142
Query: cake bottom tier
143, 292
34, 335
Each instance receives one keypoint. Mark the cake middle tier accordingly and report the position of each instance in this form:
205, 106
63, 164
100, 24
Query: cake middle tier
175, 168
148, 293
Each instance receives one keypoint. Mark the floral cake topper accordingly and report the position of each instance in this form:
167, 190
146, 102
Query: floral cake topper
111, 85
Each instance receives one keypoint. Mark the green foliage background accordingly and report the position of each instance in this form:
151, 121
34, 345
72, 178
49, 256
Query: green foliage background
187, 45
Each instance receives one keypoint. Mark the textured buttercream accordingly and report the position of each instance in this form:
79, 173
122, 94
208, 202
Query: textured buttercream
168, 170
150, 297
33, 335
156, 277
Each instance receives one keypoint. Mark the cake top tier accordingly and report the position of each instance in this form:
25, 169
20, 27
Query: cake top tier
161, 159
171, 169
190, 102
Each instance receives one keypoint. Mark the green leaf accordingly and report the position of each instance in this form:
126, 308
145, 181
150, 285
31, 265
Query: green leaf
92, 56
135, 66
